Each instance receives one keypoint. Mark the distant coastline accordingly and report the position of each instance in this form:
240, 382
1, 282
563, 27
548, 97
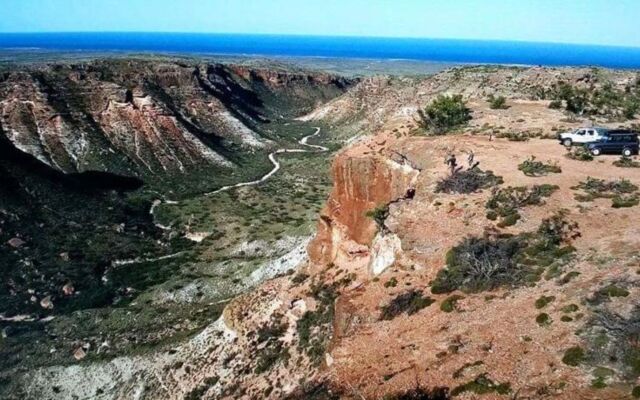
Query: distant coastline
432, 50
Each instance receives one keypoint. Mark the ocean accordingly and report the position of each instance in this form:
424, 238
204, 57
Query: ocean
435, 50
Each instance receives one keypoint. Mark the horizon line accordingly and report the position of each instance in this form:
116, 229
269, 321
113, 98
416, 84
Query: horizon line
328, 36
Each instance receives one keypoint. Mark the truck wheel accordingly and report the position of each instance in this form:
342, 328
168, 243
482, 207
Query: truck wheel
595, 152
627, 152
567, 143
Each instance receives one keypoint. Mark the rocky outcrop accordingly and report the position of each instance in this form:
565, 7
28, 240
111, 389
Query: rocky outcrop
363, 180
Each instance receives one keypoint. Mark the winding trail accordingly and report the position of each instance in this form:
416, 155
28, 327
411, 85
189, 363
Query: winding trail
276, 167
276, 163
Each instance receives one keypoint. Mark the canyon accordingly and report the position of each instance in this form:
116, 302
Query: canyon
371, 306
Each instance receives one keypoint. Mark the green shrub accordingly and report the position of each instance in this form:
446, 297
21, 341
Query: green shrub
625, 201
514, 136
599, 383
449, 304
379, 215
504, 203
543, 301
622, 192
636, 392
626, 162
614, 291
555, 104
410, 303
498, 103
568, 277
444, 114
531, 167
482, 385
393, 282
574, 356
314, 327
605, 100
543, 319
579, 153
570, 308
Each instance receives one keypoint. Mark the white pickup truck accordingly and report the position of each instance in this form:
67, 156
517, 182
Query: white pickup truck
582, 136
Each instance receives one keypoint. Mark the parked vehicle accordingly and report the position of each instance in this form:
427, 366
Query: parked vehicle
616, 142
582, 136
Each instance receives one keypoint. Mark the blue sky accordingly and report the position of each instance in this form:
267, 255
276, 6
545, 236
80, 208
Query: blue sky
609, 22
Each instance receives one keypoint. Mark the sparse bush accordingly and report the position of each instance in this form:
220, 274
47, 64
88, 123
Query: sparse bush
514, 136
605, 100
543, 319
498, 103
482, 385
479, 264
555, 104
622, 193
531, 167
449, 304
568, 277
468, 181
543, 301
574, 356
505, 202
606, 189
379, 215
570, 308
444, 114
393, 282
625, 201
580, 153
626, 162
314, 327
486, 263
410, 303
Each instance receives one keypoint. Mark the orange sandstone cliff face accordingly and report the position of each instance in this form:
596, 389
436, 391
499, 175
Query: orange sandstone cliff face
363, 180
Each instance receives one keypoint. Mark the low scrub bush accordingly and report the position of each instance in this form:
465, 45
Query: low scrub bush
482, 385
622, 192
410, 303
379, 215
544, 319
504, 203
468, 181
532, 167
514, 136
543, 301
489, 262
626, 162
497, 102
579, 153
450, 303
574, 356
314, 327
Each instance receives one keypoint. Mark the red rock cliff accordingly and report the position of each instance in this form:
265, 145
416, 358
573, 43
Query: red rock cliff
363, 180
